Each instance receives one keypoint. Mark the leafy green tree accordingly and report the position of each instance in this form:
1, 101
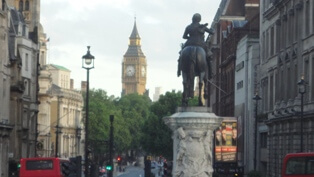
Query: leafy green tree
134, 110
157, 136
137, 122
101, 106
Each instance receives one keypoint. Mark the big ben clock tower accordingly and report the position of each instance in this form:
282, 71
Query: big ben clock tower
134, 66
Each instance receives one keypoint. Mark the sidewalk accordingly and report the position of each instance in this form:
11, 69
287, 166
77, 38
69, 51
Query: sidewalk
118, 172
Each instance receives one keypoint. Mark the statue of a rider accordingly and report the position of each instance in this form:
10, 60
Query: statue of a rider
195, 34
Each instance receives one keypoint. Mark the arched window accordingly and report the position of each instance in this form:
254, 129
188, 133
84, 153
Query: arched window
21, 5
27, 5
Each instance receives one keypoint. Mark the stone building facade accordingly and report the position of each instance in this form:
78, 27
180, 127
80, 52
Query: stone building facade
23, 53
66, 121
273, 70
228, 24
29, 90
6, 127
247, 60
287, 54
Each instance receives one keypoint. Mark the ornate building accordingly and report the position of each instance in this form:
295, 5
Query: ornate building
235, 54
134, 67
5, 125
23, 63
32, 92
66, 122
287, 54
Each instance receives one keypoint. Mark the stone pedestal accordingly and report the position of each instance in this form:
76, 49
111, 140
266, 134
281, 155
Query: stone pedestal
192, 129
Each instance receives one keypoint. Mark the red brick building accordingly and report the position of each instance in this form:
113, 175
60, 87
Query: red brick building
234, 19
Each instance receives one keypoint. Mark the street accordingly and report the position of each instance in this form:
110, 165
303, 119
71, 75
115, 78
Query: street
132, 171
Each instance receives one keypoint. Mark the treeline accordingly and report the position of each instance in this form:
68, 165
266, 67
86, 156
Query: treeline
138, 124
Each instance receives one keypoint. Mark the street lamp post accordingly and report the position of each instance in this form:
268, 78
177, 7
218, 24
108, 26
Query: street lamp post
256, 98
110, 173
87, 63
58, 131
78, 136
302, 90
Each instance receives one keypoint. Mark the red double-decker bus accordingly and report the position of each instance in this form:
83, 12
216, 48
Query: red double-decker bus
298, 165
39, 167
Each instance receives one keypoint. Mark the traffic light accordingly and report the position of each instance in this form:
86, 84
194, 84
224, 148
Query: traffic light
66, 168
119, 160
75, 166
108, 167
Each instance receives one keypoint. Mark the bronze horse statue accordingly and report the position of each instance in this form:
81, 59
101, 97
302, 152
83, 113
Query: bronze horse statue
193, 63
193, 59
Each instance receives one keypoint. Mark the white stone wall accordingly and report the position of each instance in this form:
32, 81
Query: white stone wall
245, 82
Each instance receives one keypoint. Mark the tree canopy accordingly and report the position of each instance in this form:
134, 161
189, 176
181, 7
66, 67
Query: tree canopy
138, 122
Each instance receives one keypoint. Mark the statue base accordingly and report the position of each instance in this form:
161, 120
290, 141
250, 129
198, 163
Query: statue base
192, 136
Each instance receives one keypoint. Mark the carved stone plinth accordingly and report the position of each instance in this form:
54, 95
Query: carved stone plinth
192, 141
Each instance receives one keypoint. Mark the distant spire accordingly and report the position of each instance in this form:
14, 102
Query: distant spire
134, 44
134, 34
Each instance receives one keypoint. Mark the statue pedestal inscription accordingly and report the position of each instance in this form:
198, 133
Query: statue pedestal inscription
192, 129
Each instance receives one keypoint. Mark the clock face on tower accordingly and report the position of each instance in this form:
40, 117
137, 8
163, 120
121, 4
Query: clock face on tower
130, 70
143, 71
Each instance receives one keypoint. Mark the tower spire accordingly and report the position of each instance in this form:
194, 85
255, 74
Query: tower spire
134, 34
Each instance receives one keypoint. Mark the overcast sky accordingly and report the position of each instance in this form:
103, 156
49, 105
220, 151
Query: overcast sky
106, 26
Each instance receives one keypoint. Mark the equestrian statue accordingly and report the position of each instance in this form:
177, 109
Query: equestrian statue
194, 59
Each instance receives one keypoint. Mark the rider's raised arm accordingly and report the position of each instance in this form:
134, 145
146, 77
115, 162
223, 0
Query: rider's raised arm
186, 34
210, 30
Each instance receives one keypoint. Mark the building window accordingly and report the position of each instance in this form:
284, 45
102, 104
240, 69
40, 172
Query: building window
267, 42
240, 85
307, 18
282, 85
271, 92
289, 82
279, 84
4, 89
27, 5
3, 7
296, 80
264, 84
278, 40
291, 23
272, 41
21, 5
283, 33
312, 16
264, 47
263, 140
26, 62
277, 97
306, 75
26, 85
312, 78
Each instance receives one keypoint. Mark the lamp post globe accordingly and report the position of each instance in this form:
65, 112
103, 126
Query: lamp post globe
87, 63
301, 85
88, 60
